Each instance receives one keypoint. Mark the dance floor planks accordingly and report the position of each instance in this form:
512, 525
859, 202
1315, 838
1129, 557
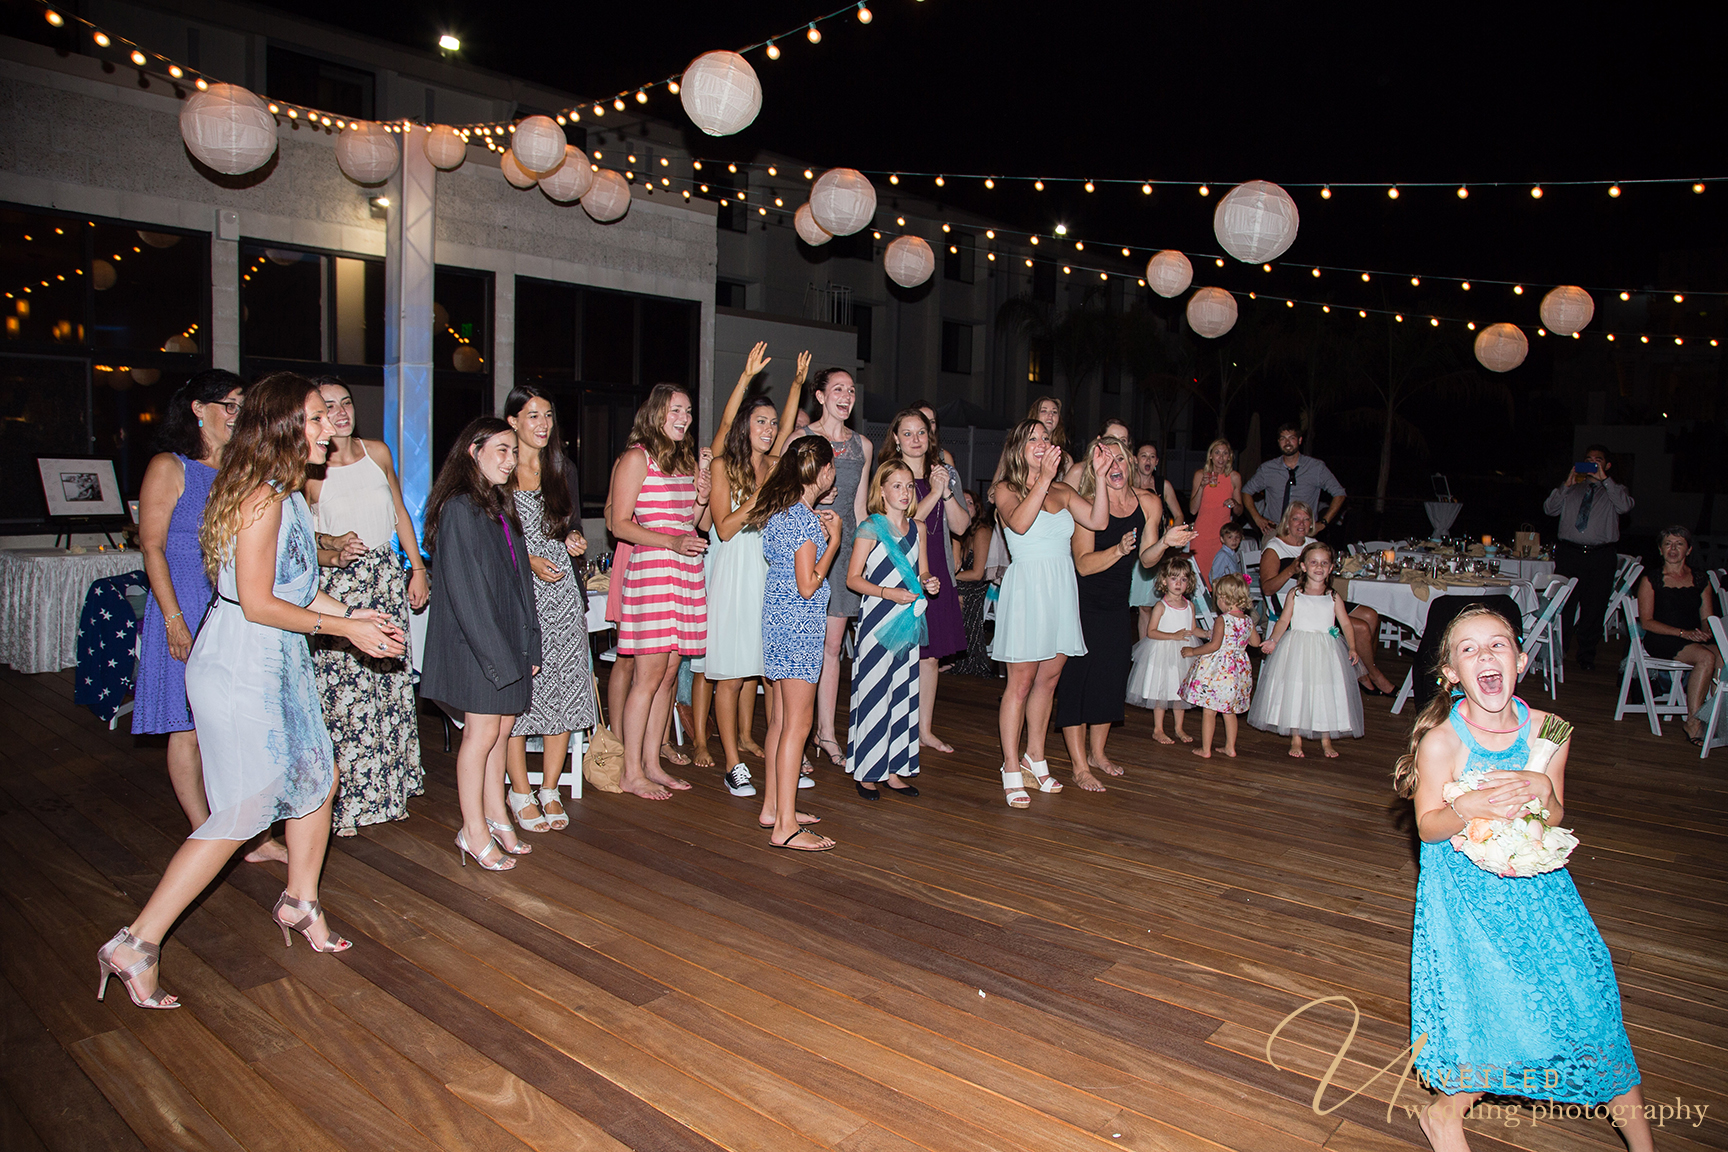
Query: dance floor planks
1099, 971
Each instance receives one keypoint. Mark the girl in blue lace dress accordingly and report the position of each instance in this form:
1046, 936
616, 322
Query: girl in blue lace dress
1511, 988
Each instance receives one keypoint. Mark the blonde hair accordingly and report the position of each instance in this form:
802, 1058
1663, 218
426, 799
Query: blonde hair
1231, 592
1168, 567
1016, 473
874, 503
1207, 474
1089, 475
1404, 774
1290, 510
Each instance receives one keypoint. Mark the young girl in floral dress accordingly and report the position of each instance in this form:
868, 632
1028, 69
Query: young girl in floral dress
1221, 681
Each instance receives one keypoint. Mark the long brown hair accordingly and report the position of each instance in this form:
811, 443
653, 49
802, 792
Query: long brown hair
1434, 714
935, 430
673, 457
738, 454
555, 468
268, 447
461, 476
891, 443
1016, 473
1058, 434
799, 466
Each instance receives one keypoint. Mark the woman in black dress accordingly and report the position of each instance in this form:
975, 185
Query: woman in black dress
1091, 693
1674, 609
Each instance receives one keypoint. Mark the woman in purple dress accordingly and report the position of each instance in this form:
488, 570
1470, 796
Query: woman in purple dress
941, 509
170, 508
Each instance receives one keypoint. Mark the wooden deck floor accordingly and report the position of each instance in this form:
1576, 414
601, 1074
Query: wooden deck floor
1100, 971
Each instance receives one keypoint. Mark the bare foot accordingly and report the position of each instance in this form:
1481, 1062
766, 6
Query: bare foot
1230, 752
1298, 753
658, 775
268, 848
702, 758
751, 747
1087, 782
647, 789
1184, 737
1331, 752
1106, 766
803, 818
1444, 1129
802, 841
1161, 738
935, 742
676, 756
1203, 753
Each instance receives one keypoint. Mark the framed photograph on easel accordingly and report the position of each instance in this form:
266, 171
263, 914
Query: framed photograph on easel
83, 487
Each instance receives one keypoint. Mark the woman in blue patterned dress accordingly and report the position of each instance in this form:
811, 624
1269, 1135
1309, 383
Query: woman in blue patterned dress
890, 571
1511, 988
800, 545
267, 755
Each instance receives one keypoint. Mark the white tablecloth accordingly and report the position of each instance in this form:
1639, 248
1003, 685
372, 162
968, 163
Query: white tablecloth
1398, 601
1535, 572
42, 594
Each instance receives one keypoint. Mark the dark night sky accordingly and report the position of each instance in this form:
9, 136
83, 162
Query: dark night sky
1223, 92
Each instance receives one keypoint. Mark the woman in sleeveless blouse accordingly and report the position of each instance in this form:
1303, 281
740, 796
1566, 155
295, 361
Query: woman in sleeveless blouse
1216, 496
659, 501
170, 508
369, 704
1038, 614
835, 395
1675, 604
1091, 692
261, 729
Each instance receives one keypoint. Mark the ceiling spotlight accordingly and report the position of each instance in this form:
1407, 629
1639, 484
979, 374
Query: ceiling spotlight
449, 43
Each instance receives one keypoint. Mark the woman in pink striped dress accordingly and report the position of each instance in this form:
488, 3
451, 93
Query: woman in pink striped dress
659, 506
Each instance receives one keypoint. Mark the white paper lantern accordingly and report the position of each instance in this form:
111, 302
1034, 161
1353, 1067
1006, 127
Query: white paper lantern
572, 179
1256, 222
366, 153
843, 201
1211, 312
808, 230
179, 343
102, 275
513, 171
445, 147
909, 261
1169, 273
539, 145
158, 239
228, 129
1501, 347
609, 198
1567, 309
146, 376
466, 358
720, 93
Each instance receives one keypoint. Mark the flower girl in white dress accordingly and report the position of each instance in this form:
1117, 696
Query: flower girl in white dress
1159, 666
1308, 684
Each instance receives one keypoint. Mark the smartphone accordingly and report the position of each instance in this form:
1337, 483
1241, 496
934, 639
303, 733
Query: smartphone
1585, 467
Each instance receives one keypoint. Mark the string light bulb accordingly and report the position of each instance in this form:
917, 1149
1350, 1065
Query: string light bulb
1471, 325
814, 35
1463, 192
672, 87
1392, 192
54, 18
1536, 192
1517, 289
138, 58
1146, 189
940, 182
1614, 190
1699, 187
618, 103
1038, 185
1679, 299
1125, 252
1220, 261
989, 183
1265, 267
1315, 273
1433, 323
101, 39
1415, 281
1205, 191
732, 168
1364, 277
772, 171
176, 71
894, 178
1089, 186
864, 14
1610, 337
990, 234
1625, 295
1325, 192
201, 84
1644, 339
1327, 308
1362, 313
641, 96
1466, 285
773, 50
1061, 229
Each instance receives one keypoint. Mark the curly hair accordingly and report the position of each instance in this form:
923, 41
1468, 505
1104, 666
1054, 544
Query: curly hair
268, 447
799, 466
1172, 566
1231, 592
673, 457
180, 430
738, 454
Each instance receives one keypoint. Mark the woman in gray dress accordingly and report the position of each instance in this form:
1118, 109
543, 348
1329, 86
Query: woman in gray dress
483, 633
835, 395
249, 678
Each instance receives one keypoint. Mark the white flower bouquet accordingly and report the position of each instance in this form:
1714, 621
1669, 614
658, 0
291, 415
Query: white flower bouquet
1525, 845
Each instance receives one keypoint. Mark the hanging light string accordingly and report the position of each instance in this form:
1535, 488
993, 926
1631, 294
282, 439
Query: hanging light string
149, 61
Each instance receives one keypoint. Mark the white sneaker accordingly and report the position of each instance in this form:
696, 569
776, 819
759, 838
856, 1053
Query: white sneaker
738, 781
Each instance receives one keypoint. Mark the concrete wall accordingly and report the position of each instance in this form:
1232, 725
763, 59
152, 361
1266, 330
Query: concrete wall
736, 332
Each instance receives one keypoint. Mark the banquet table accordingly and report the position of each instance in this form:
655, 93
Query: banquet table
42, 594
1535, 572
1397, 600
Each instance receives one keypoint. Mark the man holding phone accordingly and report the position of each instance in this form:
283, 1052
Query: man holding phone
1589, 506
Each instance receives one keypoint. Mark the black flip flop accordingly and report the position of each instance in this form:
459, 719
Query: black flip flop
787, 843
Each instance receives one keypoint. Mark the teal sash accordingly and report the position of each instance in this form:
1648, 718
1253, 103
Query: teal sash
905, 627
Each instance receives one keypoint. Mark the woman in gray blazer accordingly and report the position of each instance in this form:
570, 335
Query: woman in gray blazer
482, 634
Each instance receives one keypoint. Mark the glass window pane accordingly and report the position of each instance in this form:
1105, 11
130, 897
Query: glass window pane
43, 407
282, 303
668, 337
608, 338
157, 287
545, 327
43, 275
462, 314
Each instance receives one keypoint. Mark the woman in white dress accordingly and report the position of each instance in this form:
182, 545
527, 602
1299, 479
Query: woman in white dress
1038, 613
261, 730
746, 447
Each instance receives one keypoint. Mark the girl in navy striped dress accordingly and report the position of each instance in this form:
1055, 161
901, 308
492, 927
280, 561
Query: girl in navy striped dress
889, 568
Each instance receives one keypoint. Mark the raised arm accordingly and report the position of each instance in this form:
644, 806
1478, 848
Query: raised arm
861, 496
1018, 512
753, 365
789, 413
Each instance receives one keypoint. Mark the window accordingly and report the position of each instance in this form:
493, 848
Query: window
102, 321
956, 347
861, 245
730, 294
1037, 361
734, 215
864, 322
300, 79
310, 308
461, 352
958, 259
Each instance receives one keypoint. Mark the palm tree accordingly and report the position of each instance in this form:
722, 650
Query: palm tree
1161, 363
1235, 360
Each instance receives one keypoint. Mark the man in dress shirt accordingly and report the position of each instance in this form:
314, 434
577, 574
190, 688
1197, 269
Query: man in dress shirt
1291, 476
1589, 505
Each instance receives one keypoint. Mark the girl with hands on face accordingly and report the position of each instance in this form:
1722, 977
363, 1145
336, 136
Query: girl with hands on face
1532, 932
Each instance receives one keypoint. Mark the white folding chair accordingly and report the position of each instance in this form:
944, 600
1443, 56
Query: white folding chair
1405, 691
1540, 638
1624, 581
1716, 587
1639, 666
1715, 729
1203, 610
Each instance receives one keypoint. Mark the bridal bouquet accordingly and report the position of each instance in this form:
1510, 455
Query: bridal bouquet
1525, 845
